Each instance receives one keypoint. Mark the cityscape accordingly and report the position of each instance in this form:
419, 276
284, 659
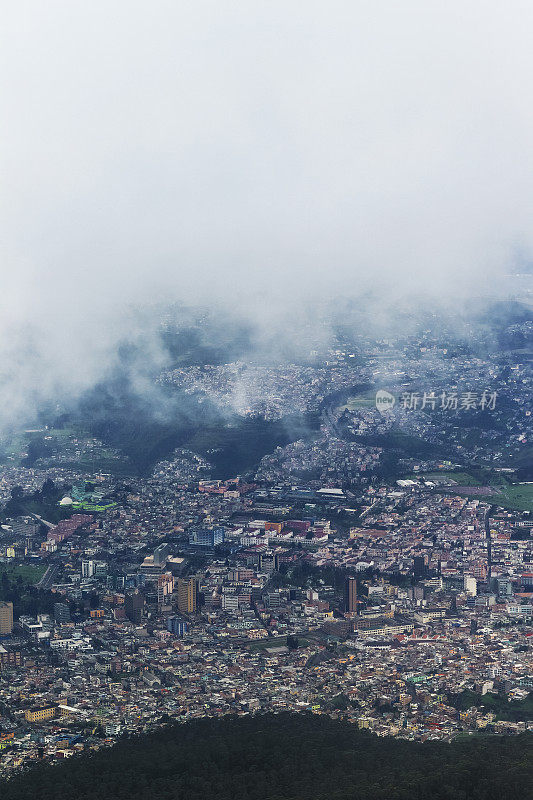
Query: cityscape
387, 584
266, 400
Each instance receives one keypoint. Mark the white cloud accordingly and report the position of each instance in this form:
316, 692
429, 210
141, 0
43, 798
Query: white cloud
256, 150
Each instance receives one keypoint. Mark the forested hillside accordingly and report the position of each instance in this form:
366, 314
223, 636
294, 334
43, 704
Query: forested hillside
287, 756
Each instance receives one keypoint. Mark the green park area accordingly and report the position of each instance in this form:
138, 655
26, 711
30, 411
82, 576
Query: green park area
30, 573
517, 496
501, 706
363, 400
460, 478
91, 507
276, 641
74, 447
289, 756
514, 496
25, 446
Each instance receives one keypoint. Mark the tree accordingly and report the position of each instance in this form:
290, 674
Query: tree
48, 488
17, 493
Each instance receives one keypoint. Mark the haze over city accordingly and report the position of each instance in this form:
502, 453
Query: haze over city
266, 336
253, 157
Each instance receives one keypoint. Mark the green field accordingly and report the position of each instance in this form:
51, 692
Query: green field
515, 496
411, 446
30, 573
240, 446
105, 463
52, 513
276, 641
363, 400
16, 443
92, 507
272, 641
23, 448
461, 478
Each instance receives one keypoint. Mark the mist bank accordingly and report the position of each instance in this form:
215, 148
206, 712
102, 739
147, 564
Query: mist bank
282, 174
114, 392
105, 366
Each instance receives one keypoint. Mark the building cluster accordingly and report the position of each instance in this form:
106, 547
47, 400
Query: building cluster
227, 601
258, 390
316, 582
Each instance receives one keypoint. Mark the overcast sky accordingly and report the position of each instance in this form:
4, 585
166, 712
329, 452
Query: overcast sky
255, 149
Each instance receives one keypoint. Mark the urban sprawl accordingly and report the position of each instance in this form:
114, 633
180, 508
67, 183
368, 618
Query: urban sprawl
396, 596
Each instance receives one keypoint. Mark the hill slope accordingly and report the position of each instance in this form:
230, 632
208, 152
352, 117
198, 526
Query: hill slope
300, 757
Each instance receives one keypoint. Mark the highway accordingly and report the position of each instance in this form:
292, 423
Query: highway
489, 542
44, 521
48, 577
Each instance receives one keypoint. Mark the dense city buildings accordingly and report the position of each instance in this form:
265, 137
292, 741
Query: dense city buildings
266, 398
353, 572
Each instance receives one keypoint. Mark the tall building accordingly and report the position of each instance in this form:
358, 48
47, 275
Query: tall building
350, 595
165, 587
100, 569
187, 595
10, 657
150, 570
61, 613
6, 618
177, 626
268, 562
87, 568
503, 586
133, 606
161, 555
420, 566
207, 537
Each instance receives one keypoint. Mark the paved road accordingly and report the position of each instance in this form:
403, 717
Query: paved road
44, 521
48, 577
489, 542
370, 508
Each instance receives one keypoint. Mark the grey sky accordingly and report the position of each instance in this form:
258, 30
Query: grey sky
256, 149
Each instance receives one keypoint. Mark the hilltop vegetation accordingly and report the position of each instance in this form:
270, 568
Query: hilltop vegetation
292, 756
513, 710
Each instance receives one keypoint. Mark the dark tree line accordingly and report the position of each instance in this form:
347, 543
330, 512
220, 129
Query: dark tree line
27, 600
283, 757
